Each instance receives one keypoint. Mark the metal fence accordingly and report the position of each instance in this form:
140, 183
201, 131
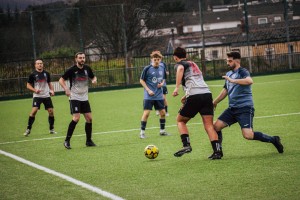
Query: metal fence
15, 85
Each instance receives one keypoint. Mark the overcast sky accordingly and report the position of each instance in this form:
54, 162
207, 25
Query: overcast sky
22, 4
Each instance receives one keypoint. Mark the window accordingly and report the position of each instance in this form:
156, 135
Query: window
270, 53
215, 54
190, 29
262, 20
277, 19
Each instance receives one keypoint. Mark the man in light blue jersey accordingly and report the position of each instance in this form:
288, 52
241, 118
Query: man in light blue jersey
152, 79
241, 108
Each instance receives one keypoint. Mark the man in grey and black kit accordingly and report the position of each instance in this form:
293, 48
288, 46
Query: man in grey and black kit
241, 108
39, 83
79, 76
197, 99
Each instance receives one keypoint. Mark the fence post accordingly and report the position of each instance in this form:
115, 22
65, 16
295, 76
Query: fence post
33, 35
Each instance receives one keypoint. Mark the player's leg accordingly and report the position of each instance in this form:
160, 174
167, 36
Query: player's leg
213, 137
147, 104
35, 107
245, 120
75, 111
49, 107
159, 105
184, 135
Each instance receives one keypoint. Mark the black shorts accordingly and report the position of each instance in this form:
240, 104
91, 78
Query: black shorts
165, 89
199, 103
80, 106
37, 101
158, 104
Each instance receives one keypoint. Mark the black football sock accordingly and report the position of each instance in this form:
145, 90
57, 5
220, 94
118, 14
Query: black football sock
166, 108
51, 122
216, 145
143, 125
88, 131
220, 138
185, 139
71, 128
30, 122
263, 137
162, 123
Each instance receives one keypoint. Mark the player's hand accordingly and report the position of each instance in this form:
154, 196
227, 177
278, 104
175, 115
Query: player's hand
51, 92
94, 82
175, 92
150, 92
68, 93
159, 85
38, 91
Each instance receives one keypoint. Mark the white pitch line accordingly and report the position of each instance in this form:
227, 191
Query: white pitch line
136, 129
63, 176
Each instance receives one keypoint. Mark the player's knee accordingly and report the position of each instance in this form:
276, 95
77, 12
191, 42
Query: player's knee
248, 135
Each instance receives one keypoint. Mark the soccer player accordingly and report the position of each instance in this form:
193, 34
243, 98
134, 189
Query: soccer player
152, 79
238, 89
197, 99
39, 82
79, 76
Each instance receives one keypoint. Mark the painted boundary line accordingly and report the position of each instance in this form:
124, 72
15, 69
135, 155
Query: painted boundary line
63, 176
136, 129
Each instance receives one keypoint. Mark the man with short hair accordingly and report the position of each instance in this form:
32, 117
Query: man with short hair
79, 76
241, 108
152, 79
197, 99
39, 82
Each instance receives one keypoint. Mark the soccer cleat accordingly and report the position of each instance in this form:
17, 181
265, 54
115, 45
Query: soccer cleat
164, 133
212, 155
277, 144
157, 112
167, 114
142, 135
27, 132
67, 144
52, 131
90, 143
216, 155
187, 149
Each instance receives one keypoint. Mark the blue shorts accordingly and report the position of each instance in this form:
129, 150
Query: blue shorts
158, 104
244, 116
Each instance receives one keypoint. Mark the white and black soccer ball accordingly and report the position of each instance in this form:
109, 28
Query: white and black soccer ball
151, 151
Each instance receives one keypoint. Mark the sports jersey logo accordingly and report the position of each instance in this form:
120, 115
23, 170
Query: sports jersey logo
154, 80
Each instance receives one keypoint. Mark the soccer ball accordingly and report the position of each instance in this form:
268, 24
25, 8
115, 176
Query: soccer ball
151, 151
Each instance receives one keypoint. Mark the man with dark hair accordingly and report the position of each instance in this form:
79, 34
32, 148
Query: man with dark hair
79, 75
197, 99
241, 108
39, 83
152, 79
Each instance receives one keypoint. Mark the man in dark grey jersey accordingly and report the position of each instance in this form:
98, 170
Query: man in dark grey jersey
78, 76
39, 83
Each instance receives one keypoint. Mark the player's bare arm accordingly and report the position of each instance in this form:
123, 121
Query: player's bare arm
221, 96
179, 75
62, 82
32, 89
245, 81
